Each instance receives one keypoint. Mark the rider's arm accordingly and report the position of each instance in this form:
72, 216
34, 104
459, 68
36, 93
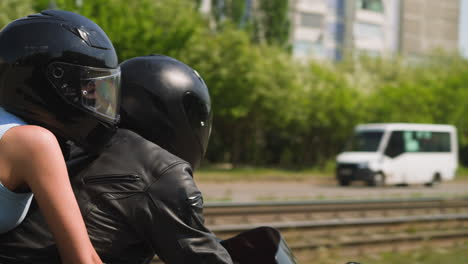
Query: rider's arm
174, 218
36, 159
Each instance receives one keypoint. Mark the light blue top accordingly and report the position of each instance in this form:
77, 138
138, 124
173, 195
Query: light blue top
13, 206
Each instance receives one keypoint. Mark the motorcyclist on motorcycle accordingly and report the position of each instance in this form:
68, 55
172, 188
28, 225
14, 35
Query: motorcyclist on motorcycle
137, 199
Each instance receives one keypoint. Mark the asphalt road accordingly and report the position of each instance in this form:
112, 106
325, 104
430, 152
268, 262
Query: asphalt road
323, 190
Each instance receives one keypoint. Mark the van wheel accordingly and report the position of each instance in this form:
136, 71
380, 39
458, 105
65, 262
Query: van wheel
343, 182
378, 180
435, 181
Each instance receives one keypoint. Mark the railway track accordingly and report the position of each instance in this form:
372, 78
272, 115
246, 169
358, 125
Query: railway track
347, 226
225, 213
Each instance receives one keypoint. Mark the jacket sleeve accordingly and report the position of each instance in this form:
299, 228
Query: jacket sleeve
174, 216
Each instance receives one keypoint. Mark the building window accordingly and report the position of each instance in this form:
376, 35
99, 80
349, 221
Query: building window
305, 48
311, 20
370, 5
368, 31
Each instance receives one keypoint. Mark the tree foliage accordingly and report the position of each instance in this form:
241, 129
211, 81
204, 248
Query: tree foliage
139, 27
233, 10
13, 9
266, 21
272, 22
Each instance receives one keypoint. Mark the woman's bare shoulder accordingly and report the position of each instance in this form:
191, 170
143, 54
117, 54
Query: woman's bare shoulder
28, 139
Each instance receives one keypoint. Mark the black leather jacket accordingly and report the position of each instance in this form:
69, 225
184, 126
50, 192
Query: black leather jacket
137, 200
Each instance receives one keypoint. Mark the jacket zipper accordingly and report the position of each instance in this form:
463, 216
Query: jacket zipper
109, 178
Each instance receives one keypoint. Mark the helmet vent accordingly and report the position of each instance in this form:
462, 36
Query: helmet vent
44, 14
35, 15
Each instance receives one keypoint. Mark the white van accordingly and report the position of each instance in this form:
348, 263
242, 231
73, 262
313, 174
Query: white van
399, 153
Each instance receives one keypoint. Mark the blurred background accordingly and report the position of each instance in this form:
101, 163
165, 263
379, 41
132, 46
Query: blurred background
290, 80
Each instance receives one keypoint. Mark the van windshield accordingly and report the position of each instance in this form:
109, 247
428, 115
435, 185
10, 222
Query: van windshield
365, 141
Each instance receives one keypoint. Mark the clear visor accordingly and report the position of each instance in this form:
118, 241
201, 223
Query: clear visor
95, 89
100, 94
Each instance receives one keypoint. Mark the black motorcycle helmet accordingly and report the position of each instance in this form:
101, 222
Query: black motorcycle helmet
168, 103
59, 70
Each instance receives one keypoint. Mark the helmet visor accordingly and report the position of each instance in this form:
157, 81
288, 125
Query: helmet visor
101, 94
94, 89
199, 115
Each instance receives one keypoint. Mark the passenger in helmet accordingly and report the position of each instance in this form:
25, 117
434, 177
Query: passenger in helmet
168, 105
140, 200
47, 61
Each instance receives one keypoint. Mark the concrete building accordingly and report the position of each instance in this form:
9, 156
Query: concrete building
331, 28
317, 29
375, 26
314, 29
429, 24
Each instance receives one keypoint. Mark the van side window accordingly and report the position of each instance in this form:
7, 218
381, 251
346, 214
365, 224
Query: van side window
395, 145
411, 141
417, 141
435, 142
